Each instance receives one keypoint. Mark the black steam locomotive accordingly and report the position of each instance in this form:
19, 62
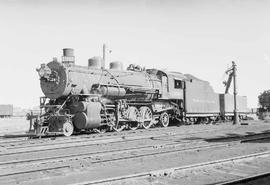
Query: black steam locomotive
79, 98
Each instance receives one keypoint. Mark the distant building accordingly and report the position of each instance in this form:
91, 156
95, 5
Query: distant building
6, 110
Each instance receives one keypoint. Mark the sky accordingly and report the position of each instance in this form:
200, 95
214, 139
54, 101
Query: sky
199, 37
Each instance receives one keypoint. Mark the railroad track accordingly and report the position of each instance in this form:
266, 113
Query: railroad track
87, 136
89, 142
83, 150
45, 154
94, 158
76, 155
37, 164
23, 136
141, 177
76, 140
17, 172
94, 148
22, 141
54, 144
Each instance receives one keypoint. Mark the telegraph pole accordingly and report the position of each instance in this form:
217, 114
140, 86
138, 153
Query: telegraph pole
103, 56
235, 111
104, 52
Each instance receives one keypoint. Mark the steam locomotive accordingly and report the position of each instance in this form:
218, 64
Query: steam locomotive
81, 98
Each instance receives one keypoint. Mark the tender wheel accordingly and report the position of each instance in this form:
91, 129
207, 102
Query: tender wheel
133, 115
146, 117
68, 128
164, 119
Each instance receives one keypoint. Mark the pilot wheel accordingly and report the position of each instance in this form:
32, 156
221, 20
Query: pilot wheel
68, 128
164, 119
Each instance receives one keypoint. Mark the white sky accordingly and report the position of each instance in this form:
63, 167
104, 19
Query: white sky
196, 37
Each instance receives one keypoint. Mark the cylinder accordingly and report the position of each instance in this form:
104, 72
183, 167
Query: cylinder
90, 118
68, 52
95, 62
116, 65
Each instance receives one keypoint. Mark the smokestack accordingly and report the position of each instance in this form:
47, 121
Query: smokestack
68, 56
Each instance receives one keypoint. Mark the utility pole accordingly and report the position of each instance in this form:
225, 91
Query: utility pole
235, 111
103, 56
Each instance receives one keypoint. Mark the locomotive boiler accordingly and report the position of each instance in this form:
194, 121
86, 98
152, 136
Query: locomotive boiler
81, 98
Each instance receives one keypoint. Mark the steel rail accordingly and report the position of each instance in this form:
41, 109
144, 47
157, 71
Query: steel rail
161, 153
120, 140
111, 151
115, 151
88, 142
175, 169
33, 171
23, 137
68, 166
92, 136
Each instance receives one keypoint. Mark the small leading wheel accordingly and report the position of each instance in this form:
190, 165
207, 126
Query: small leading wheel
119, 126
146, 117
164, 119
68, 128
102, 129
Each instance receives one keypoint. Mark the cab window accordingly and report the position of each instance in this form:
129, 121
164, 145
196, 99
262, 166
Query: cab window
178, 84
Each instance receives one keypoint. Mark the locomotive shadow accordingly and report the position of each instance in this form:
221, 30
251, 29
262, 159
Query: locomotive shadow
247, 137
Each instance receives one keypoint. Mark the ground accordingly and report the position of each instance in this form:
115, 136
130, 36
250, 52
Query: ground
191, 154
13, 125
